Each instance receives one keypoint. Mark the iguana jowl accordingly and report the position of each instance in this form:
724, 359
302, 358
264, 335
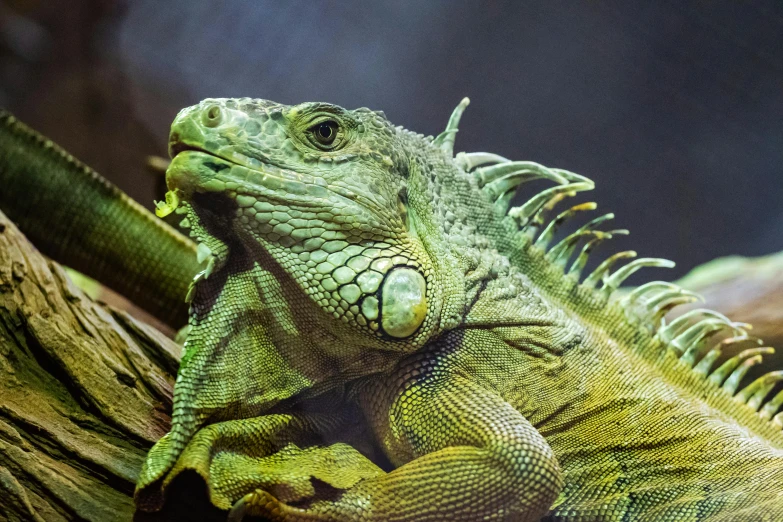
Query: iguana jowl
347, 254
500, 385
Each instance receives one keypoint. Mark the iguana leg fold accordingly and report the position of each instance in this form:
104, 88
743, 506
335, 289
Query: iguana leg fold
280, 453
465, 455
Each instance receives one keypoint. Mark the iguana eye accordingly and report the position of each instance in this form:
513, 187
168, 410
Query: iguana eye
325, 133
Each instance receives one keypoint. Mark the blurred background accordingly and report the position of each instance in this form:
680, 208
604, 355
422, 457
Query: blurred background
674, 108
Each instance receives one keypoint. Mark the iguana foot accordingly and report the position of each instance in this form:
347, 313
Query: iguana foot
280, 454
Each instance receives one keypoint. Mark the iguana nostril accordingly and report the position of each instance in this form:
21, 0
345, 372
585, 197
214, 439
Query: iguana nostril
212, 116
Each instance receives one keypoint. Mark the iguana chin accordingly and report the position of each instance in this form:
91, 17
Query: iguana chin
346, 253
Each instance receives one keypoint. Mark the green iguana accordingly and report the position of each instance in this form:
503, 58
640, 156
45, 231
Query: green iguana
351, 262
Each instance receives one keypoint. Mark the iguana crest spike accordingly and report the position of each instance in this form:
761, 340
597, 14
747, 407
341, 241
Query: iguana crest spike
445, 140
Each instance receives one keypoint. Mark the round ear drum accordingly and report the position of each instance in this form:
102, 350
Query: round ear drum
403, 302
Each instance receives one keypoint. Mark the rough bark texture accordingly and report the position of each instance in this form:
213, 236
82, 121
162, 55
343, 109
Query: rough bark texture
84, 392
85, 389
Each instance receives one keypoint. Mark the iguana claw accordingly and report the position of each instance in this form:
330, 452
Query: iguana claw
239, 509
257, 503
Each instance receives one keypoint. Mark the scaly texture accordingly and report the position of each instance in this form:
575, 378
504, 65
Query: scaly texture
348, 254
74, 215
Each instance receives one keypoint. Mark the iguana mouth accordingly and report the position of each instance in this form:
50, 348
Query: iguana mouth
248, 176
187, 161
179, 146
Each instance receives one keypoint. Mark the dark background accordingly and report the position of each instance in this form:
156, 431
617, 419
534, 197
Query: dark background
674, 108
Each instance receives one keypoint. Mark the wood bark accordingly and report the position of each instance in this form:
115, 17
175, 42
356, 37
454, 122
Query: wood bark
85, 389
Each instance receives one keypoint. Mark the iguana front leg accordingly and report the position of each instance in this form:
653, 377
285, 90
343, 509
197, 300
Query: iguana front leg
464, 454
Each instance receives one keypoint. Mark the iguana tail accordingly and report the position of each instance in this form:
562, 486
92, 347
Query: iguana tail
75, 216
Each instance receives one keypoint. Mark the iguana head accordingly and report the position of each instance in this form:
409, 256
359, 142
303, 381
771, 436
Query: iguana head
327, 194
326, 258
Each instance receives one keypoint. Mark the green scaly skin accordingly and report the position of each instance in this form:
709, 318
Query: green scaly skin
77, 217
349, 254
